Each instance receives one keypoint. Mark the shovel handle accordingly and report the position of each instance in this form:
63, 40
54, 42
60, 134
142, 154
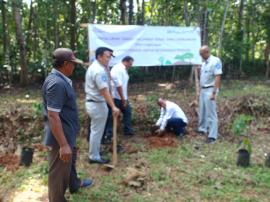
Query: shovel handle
114, 157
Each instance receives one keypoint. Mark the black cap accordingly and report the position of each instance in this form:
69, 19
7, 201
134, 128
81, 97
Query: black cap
65, 54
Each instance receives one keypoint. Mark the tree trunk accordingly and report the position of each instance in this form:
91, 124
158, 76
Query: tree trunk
143, 12
266, 56
94, 11
56, 25
36, 37
73, 24
30, 30
205, 27
222, 28
123, 9
5, 35
186, 15
138, 12
152, 8
130, 13
240, 34
20, 40
248, 37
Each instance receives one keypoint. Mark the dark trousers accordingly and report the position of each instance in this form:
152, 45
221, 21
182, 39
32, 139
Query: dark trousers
127, 113
62, 175
176, 125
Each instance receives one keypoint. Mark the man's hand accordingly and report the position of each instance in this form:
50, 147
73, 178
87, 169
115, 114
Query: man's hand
159, 132
124, 103
65, 153
115, 111
213, 96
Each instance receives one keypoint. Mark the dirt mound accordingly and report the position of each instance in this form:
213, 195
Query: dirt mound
9, 161
20, 124
167, 140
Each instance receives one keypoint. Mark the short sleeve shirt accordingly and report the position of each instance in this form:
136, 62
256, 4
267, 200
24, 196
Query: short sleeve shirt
96, 79
210, 68
59, 96
120, 77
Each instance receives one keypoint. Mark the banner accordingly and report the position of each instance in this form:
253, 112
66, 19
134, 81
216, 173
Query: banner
148, 45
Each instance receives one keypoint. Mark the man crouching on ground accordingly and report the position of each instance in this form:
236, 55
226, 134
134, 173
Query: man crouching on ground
172, 118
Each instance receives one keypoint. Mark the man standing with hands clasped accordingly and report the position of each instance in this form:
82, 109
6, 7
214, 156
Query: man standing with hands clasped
62, 126
120, 78
97, 89
210, 79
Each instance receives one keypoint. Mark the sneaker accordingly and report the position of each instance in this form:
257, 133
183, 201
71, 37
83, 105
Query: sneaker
99, 161
210, 140
106, 141
180, 136
86, 183
200, 132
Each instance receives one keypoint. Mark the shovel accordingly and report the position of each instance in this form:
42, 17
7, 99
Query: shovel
114, 154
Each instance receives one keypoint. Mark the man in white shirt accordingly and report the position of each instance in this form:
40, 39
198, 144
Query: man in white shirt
210, 79
120, 78
172, 118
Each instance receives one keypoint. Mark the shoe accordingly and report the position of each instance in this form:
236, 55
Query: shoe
180, 137
106, 141
129, 134
99, 161
210, 140
84, 184
120, 149
200, 132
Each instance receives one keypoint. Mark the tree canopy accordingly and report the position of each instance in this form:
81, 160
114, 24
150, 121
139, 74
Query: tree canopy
236, 30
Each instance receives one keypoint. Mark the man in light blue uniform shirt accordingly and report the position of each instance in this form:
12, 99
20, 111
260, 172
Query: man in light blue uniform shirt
210, 79
97, 89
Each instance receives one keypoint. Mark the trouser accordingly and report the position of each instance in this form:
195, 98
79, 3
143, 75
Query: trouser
62, 175
176, 125
127, 113
208, 119
98, 112
108, 127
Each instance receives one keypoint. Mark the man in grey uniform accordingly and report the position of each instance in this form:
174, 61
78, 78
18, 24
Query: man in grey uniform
97, 89
210, 79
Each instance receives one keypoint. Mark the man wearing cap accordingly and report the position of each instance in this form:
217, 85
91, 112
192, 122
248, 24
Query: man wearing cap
210, 79
172, 118
120, 78
61, 126
97, 89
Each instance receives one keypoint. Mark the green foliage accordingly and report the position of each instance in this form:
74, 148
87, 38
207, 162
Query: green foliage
240, 124
136, 74
152, 108
37, 109
246, 144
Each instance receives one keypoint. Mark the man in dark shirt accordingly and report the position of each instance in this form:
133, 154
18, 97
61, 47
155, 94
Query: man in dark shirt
62, 126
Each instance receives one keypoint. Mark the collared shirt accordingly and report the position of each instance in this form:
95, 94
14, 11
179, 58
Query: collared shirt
96, 79
120, 77
59, 96
65, 77
172, 110
210, 68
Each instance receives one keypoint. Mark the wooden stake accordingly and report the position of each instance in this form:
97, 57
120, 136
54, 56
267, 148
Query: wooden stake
114, 158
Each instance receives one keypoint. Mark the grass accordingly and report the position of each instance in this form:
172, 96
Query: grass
193, 171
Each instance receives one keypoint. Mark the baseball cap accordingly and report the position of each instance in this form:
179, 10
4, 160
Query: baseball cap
66, 54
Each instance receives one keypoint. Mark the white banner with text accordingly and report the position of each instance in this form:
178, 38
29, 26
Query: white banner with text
148, 45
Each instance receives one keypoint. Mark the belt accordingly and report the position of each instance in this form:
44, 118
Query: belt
207, 87
94, 101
